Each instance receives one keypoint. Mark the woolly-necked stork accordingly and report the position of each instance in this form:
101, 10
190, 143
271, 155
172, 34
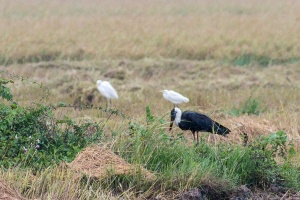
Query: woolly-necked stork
107, 90
189, 120
174, 97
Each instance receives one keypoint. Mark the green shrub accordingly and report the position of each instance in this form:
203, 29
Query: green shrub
256, 165
31, 137
5, 92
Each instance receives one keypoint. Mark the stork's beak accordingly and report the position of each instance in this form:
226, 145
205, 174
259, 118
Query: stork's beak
173, 115
171, 125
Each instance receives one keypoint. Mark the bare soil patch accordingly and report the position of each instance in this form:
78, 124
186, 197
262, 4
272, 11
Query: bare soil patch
241, 193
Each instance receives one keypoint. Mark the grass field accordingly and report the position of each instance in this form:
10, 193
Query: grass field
237, 61
232, 31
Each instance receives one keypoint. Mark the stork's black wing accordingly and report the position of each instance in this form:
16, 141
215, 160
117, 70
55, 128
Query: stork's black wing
199, 122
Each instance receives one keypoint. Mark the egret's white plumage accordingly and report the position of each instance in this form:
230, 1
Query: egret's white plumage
107, 90
174, 97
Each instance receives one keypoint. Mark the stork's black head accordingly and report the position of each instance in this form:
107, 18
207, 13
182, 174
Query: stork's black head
173, 115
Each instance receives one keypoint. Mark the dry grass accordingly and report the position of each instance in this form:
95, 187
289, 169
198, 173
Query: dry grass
53, 183
7, 193
100, 162
212, 89
143, 47
77, 30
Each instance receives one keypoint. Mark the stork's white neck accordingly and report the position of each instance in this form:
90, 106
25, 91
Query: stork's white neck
178, 116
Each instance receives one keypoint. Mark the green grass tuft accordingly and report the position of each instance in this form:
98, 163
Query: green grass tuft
181, 166
251, 106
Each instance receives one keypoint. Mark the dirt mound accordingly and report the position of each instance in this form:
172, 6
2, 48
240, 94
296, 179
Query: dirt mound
240, 193
7, 193
100, 162
274, 192
116, 74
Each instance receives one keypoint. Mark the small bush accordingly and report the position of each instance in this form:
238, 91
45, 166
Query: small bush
31, 137
257, 166
5, 92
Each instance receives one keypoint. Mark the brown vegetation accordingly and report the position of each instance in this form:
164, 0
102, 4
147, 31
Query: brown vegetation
211, 89
196, 30
142, 47
100, 162
7, 193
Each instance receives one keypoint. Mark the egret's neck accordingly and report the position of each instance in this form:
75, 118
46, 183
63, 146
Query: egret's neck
178, 116
99, 82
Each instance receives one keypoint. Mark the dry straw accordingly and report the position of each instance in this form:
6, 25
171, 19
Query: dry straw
101, 163
8, 193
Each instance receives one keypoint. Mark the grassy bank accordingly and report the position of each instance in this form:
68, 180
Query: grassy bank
178, 167
178, 164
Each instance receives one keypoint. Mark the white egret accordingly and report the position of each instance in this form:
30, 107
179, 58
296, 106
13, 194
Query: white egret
195, 122
174, 97
107, 90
